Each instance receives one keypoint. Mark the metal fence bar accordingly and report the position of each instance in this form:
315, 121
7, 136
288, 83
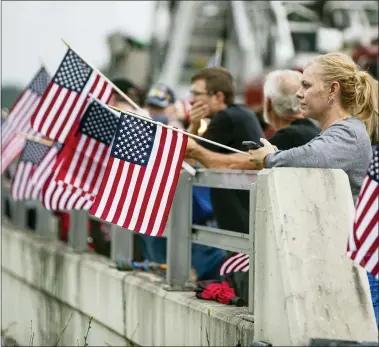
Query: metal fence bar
253, 204
122, 243
225, 239
178, 231
179, 235
78, 232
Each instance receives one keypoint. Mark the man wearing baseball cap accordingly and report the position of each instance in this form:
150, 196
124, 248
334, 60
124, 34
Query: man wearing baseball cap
159, 98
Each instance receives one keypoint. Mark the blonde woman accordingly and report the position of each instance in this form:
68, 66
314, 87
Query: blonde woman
344, 100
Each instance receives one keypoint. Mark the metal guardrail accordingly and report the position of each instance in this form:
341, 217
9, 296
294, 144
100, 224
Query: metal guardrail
180, 232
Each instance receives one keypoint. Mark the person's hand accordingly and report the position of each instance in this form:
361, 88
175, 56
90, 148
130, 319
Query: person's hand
191, 147
198, 111
257, 156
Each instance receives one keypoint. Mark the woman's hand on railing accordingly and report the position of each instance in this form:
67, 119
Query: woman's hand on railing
258, 156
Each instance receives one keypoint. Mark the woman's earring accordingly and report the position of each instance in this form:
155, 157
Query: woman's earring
330, 102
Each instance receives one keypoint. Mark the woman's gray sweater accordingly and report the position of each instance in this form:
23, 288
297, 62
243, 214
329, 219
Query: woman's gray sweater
344, 145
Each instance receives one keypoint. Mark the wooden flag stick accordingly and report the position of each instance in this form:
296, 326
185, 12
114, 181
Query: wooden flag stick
36, 139
180, 131
129, 100
184, 165
148, 119
4, 113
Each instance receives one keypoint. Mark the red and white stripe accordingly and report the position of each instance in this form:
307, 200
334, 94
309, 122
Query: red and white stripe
236, 263
60, 108
85, 160
22, 185
18, 121
139, 198
364, 239
45, 168
61, 197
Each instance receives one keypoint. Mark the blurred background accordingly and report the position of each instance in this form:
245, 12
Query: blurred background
168, 41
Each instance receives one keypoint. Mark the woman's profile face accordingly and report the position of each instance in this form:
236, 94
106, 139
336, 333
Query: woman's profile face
313, 94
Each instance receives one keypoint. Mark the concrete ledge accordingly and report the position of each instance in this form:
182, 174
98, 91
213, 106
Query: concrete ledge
311, 288
127, 307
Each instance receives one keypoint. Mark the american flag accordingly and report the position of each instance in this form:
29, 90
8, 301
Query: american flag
46, 166
141, 176
87, 150
364, 241
22, 186
59, 196
236, 263
66, 97
18, 119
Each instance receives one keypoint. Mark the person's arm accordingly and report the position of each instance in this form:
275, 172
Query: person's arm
328, 151
213, 160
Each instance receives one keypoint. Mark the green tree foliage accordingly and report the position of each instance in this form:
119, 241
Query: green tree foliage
9, 94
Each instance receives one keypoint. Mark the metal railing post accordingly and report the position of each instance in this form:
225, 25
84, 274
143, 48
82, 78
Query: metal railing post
78, 232
4, 197
253, 203
19, 216
122, 243
179, 235
46, 225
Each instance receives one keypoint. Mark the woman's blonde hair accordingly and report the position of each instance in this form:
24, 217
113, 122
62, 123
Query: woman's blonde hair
359, 90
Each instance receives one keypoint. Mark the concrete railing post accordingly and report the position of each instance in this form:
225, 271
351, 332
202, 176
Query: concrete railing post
78, 232
122, 243
179, 235
253, 202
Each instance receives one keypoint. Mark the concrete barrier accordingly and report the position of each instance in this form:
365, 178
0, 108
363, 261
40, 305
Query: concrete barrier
305, 285
44, 283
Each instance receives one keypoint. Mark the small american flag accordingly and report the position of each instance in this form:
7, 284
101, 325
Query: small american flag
66, 97
18, 119
141, 176
236, 263
87, 151
58, 196
364, 241
46, 166
22, 186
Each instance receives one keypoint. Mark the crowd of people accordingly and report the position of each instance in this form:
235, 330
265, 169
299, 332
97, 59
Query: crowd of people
325, 117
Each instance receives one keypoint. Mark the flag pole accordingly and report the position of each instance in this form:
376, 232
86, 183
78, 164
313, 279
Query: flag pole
185, 166
149, 119
179, 130
4, 113
36, 139
129, 100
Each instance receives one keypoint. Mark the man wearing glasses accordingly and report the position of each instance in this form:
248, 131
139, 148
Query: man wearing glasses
230, 124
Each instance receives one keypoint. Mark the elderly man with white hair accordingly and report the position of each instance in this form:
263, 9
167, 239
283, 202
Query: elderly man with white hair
281, 110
